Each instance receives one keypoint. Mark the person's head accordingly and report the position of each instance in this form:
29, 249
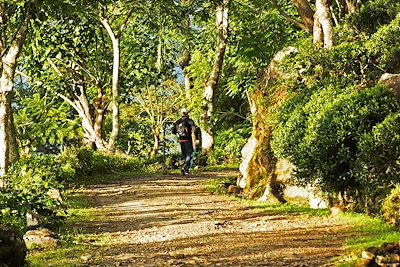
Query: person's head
184, 112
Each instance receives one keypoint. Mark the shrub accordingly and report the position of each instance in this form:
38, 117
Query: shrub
378, 160
29, 183
391, 207
228, 145
321, 138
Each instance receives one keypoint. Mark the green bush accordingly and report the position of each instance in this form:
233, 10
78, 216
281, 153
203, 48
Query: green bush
378, 159
391, 207
93, 162
228, 145
373, 14
321, 137
29, 183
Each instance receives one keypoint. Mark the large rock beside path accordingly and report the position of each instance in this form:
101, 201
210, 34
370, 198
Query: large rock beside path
41, 239
12, 248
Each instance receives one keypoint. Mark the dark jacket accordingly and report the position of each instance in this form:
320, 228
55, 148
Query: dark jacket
189, 124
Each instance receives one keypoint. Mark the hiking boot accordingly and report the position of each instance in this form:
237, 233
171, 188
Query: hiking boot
186, 173
183, 171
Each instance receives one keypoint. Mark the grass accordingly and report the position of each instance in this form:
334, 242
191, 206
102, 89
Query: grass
73, 248
372, 232
108, 178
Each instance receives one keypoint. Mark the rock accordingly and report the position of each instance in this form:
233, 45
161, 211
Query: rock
233, 189
247, 154
392, 81
367, 255
86, 257
12, 248
41, 239
33, 219
55, 194
316, 202
336, 210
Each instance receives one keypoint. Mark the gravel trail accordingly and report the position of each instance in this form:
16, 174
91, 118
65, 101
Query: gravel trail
172, 221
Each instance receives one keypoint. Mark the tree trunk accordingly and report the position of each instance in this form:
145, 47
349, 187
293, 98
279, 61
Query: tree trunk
352, 6
186, 56
305, 12
4, 143
156, 145
12, 140
323, 26
99, 106
115, 86
212, 82
258, 166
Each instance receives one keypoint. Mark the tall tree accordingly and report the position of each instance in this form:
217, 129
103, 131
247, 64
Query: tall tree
14, 19
211, 84
323, 26
107, 14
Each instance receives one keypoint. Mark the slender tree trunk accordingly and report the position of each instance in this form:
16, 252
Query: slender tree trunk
212, 81
305, 12
186, 56
13, 146
99, 106
352, 6
323, 26
7, 68
115, 86
4, 144
156, 145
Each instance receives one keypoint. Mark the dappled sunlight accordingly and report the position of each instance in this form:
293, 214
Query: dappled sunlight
170, 221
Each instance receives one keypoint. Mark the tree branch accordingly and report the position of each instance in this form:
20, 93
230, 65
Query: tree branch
287, 17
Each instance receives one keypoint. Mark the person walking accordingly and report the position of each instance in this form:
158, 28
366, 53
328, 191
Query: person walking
185, 129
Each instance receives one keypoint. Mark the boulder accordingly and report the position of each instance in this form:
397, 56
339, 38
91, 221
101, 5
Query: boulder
33, 219
247, 154
41, 239
12, 248
392, 81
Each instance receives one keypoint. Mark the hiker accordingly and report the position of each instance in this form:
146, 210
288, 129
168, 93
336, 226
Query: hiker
185, 129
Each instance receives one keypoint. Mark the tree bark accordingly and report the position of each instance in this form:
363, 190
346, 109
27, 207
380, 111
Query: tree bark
211, 84
323, 26
115, 86
186, 56
258, 166
9, 55
12, 140
156, 139
306, 13
352, 6
99, 105
4, 143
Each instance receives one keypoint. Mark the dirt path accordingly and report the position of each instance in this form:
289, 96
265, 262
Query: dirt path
172, 221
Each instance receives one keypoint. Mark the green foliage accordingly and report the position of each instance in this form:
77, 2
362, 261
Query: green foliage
31, 181
383, 48
29, 185
321, 138
391, 207
373, 14
382, 169
96, 162
228, 145
42, 123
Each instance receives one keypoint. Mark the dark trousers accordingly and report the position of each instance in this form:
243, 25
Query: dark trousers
187, 151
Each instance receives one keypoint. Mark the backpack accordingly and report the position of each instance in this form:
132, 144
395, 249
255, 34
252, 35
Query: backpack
183, 129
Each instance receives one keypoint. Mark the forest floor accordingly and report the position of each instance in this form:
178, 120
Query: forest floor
173, 221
